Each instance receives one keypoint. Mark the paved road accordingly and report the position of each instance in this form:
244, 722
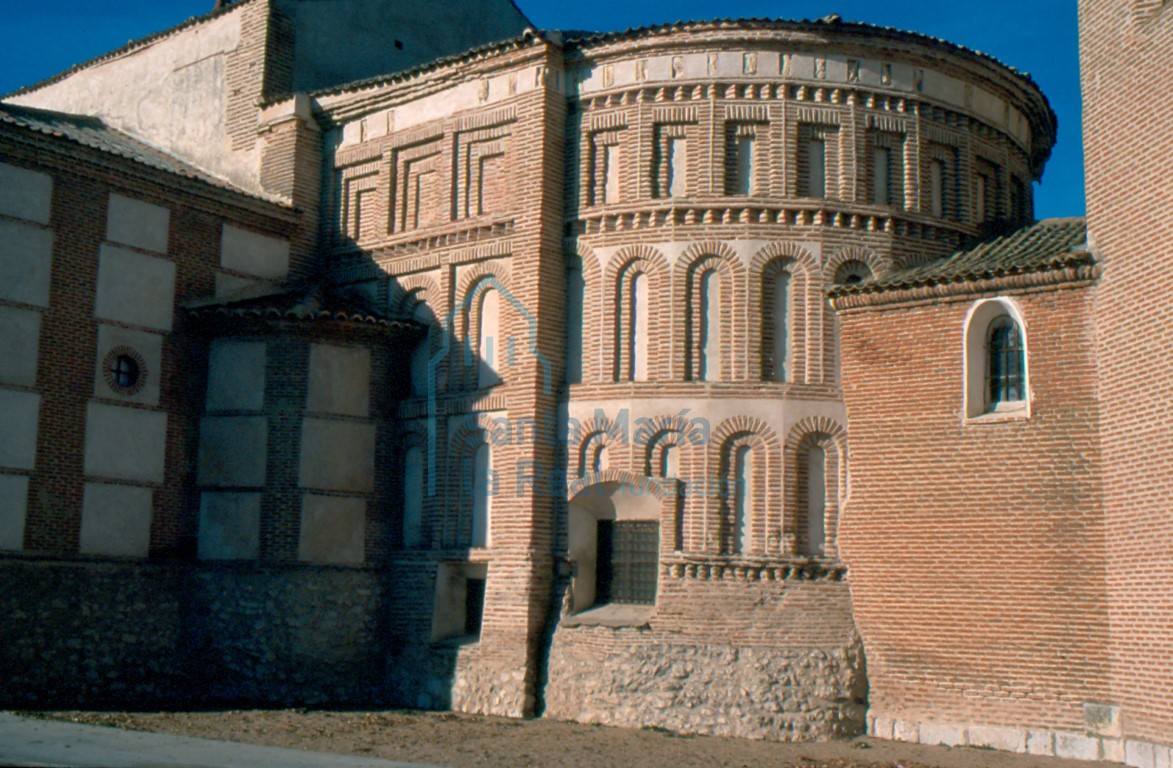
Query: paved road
51, 744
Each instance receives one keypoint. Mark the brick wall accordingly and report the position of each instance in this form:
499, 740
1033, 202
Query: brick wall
1126, 48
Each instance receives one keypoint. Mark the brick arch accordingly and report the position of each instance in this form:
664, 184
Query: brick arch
696, 260
593, 347
406, 291
764, 524
654, 434
597, 431
615, 324
807, 313
478, 272
879, 265
621, 476
467, 322
829, 435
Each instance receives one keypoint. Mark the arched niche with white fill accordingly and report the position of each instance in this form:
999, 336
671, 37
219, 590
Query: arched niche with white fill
975, 350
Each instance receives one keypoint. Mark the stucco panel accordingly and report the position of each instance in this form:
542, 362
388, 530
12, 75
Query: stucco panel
332, 530
236, 376
135, 288
125, 443
340, 379
230, 526
20, 331
25, 194
26, 256
18, 424
338, 455
14, 492
233, 450
116, 520
253, 253
138, 224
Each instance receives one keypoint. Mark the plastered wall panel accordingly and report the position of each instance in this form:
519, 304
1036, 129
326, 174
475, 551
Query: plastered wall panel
337, 455
230, 526
125, 443
18, 425
340, 380
236, 376
139, 224
135, 288
14, 494
228, 285
254, 254
233, 451
20, 332
144, 347
25, 194
332, 530
26, 257
116, 520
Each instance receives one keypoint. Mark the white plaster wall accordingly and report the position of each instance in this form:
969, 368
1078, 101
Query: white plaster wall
14, 493
236, 376
230, 526
337, 455
233, 451
20, 332
116, 520
26, 257
171, 93
254, 254
125, 443
138, 224
135, 288
19, 412
333, 530
227, 285
148, 345
340, 380
25, 194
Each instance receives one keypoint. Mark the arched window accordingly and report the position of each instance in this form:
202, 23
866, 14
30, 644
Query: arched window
575, 291
777, 303
997, 364
1005, 366
413, 497
815, 466
482, 495
421, 356
742, 495
489, 342
709, 335
633, 322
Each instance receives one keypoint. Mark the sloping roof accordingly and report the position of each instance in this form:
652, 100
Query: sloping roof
313, 304
92, 132
1051, 244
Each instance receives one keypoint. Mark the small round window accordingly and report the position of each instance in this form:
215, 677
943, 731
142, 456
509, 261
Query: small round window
124, 371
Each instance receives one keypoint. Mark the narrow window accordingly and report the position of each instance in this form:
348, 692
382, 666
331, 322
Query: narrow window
489, 347
937, 187
881, 176
669, 461
611, 173
709, 339
677, 159
742, 493
739, 168
1005, 363
575, 290
599, 460
981, 188
816, 500
413, 497
637, 341
482, 491
816, 161
474, 606
780, 357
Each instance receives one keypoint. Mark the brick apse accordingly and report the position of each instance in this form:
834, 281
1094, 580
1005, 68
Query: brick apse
712, 376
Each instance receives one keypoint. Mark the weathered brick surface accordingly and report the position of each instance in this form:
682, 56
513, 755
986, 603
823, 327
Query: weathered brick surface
1126, 48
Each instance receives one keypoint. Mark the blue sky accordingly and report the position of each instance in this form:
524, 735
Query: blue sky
1038, 36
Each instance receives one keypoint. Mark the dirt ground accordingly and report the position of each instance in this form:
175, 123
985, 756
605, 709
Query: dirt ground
464, 740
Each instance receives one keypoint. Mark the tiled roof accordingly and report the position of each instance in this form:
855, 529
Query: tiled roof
1050, 244
300, 305
92, 132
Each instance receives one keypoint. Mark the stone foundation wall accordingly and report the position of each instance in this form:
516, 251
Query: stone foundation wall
109, 634
809, 682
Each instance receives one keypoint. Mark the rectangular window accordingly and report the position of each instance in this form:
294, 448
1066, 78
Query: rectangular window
937, 187
611, 173
628, 559
981, 185
816, 152
818, 159
881, 170
743, 166
670, 161
677, 155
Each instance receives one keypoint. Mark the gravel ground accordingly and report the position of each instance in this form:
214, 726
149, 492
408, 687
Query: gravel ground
465, 740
